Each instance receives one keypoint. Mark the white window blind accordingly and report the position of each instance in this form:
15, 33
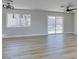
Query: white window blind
18, 20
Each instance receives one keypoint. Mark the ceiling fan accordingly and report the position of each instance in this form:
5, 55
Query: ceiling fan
68, 8
8, 5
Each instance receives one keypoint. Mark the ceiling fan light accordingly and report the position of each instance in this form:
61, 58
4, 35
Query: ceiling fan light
67, 12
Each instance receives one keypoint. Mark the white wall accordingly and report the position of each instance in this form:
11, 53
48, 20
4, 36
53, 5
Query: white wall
38, 22
75, 22
68, 23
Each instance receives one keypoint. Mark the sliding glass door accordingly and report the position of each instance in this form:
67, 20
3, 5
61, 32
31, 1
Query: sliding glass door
55, 24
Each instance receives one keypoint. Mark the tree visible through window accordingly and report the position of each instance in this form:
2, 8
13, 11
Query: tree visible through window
18, 20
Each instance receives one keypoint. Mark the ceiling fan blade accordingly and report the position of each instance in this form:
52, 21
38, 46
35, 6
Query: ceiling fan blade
74, 9
10, 0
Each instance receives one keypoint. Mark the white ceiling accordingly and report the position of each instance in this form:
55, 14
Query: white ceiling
50, 5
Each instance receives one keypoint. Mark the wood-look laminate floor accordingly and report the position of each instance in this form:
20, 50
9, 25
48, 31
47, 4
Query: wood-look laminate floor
41, 47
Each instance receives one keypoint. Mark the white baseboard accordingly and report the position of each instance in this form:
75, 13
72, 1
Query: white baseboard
68, 32
16, 36
71, 33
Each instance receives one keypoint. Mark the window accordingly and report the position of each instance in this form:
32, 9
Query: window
18, 20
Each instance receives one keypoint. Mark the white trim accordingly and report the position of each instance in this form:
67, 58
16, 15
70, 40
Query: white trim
68, 32
16, 36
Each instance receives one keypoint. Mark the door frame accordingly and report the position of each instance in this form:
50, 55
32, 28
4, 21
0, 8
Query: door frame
55, 25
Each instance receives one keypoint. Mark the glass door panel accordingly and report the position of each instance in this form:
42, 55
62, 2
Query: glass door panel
51, 29
59, 29
59, 24
51, 24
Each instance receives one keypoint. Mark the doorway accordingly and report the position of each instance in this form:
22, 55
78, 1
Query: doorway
55, 24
